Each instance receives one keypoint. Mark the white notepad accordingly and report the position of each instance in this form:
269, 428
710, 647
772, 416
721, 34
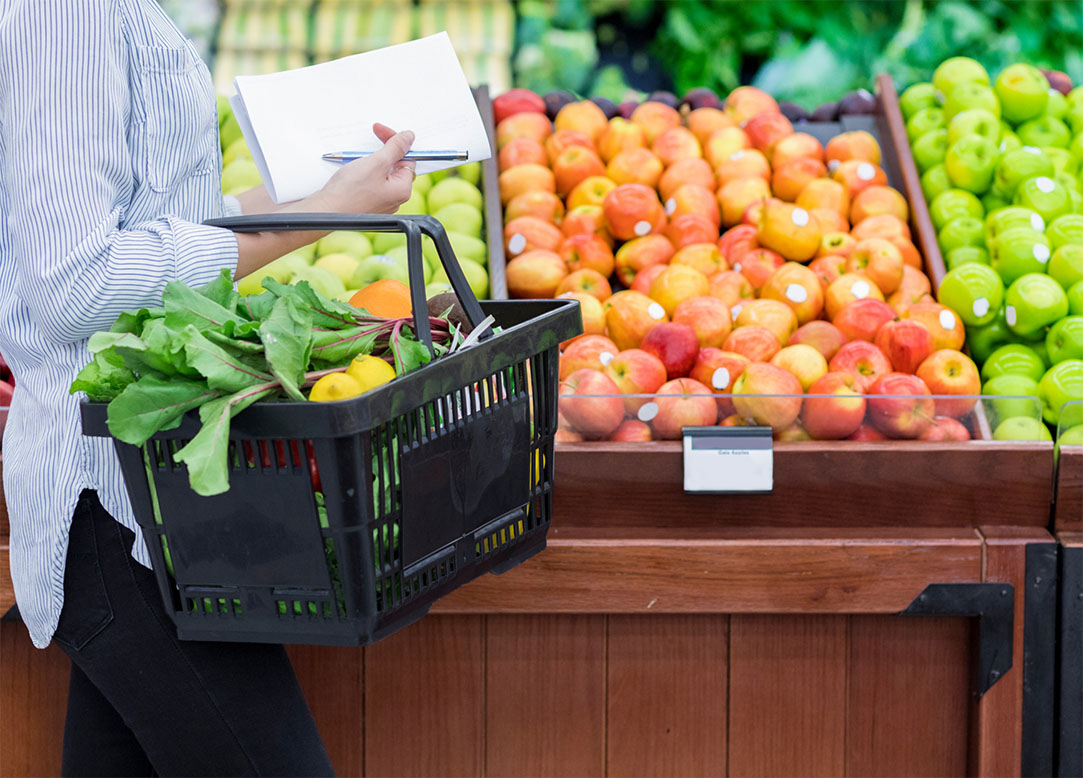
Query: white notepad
290, 119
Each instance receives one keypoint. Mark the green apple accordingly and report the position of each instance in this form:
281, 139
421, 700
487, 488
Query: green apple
460, 217
229, 131
321, 279
1039, 349
346, 296
967, 254
934, 181
1062, 159
1057, 106
925, 120
470, 172
930, 149
429, 252
1062, 383
974, 291
918, 96
983, 341
950, 205
453, 190
1064, 230
475, 276
967, 96
1022, 391
971, 163
1073, 436
1075, 97
974, 121
1046, 196
1022, 428
237, 150
1017, 166
1034, 301
964, 231
225, 110
1065, 339
468, 247
400, 255
1019, 251
380, 266
437, 287
239, 176
1004, 219
1074, 119
342, 265
1013, 359
1044, 131
1075, 148
958, 70
414, 206
991, 201
1075, 298
281, 270
423, 183
383, 242
344, 242
1023, 92
1009, 141
1066, 265
1077, 199
308, 252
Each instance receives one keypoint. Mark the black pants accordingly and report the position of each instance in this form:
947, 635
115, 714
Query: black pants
143, 702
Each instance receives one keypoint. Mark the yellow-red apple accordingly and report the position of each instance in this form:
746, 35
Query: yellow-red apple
638, 254
709, 318
951, 372
798, 287
589, 403
805, 363
525, 178
836, 417
681, 403
860, 319
778, 411
821, 335
587, 251
861, 359
900, 406
905, 342
629, 316
535, 275
633, 211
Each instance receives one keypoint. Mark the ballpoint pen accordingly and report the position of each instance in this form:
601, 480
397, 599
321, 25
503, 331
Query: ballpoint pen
442, 155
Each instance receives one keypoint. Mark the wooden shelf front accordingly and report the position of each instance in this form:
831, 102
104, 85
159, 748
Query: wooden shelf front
1068, 505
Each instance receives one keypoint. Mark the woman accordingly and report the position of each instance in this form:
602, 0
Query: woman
108, 166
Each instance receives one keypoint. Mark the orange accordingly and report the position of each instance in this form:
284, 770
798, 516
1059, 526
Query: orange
388, 299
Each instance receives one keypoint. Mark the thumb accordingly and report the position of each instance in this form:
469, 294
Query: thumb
396, 146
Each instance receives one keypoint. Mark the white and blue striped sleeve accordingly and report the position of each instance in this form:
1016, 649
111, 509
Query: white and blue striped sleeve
65, 107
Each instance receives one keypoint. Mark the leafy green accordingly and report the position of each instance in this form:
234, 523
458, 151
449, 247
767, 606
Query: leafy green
103, 378
287, 343
152, 404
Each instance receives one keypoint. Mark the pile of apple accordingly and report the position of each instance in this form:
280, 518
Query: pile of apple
719, 252
1000, 167
344, 262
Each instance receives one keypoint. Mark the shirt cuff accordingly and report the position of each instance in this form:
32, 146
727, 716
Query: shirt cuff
231, 206
202, 252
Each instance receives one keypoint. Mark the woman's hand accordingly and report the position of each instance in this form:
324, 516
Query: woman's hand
379, 183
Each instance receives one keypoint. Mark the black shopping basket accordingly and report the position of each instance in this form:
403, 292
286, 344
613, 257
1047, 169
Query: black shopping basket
345, 521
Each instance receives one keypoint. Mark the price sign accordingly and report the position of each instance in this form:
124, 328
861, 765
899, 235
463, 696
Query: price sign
728, 460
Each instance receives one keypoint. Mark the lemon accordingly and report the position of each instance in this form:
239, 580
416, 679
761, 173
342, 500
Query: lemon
334, 387
369, 372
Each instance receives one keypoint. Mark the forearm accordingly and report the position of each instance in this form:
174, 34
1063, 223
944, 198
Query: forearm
256, 249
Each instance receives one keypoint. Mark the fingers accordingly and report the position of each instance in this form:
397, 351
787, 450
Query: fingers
394, 148
383, 132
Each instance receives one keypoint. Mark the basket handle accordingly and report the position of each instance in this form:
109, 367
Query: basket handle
413, 226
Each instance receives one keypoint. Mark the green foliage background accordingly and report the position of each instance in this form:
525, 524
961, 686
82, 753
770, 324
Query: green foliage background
808, 51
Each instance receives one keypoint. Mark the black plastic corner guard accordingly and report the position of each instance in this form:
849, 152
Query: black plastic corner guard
1039, 659
1069, 695
992, 605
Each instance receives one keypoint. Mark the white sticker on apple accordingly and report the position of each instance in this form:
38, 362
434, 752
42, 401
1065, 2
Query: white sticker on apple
796, 293
1041, 252
642, 228
833, 165
1003, 144
860, 289
648, 411
671, 206
720, 379
866, 171
1045, 184
1009, 315
980, 307
947, 320
1032, 150
517, 243
799, 217
737, 267
737, 154
605, 357
1037, 222
656, 311
735, 311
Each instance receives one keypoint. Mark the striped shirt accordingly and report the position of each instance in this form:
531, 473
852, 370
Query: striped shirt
108, 163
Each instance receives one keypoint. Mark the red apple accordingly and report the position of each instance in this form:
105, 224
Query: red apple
780, 408
681, 403
675, 345
757, 343
945, 428
834, 418
516, 101
905, 342
864, 361
708, 316
589, 401
631, 431
867, 433
821, 335
948, 371
593, 351
860, 319
719, 370
902, 407
634, 371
